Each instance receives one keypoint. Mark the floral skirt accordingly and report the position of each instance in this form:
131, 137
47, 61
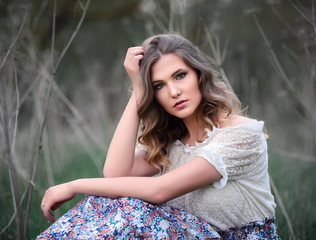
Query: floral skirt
265, 229
129, 218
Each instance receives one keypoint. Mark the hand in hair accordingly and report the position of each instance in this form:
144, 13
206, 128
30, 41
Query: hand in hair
131, 64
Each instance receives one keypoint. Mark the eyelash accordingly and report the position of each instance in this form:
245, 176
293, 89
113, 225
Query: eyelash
158, 86
181, 75
178, 77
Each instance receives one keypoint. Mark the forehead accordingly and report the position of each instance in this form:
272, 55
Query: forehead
166, 66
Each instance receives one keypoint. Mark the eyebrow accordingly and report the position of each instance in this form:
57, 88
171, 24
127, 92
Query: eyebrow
172, 75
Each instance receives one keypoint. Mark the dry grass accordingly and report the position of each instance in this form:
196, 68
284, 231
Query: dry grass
10, 113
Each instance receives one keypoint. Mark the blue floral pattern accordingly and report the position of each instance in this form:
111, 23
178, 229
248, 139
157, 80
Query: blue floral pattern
127, 218
258, 230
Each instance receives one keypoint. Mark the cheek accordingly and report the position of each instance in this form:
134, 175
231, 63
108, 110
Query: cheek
161, 99
197, 92
195, 86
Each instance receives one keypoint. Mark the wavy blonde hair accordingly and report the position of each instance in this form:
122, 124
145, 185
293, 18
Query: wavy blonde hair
159, 128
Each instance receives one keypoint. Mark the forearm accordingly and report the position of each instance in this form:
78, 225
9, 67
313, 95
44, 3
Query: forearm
189, 177
138, 187
145, 188
120, 156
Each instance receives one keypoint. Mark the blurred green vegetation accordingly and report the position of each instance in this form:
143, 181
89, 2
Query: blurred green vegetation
267, 49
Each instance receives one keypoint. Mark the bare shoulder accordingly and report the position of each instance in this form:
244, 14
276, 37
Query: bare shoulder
236, 120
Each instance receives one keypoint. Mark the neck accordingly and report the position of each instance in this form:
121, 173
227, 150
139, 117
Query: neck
196, 131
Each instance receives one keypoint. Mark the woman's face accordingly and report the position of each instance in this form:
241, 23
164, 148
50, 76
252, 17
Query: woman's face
176, 86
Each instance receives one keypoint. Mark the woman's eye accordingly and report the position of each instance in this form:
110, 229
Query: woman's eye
158, 86
180, 76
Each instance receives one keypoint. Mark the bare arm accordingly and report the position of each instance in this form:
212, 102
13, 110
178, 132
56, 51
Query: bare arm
121, 158
189, 177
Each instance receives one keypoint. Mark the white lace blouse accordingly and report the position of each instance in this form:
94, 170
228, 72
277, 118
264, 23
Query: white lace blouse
243, 193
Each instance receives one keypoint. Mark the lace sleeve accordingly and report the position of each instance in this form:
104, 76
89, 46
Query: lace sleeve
217, 162
244, 152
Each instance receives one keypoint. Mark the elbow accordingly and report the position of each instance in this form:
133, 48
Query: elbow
159, 198
112, 173
106, 172
159, 194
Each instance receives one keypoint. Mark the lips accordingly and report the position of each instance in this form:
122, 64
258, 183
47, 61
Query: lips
179, 103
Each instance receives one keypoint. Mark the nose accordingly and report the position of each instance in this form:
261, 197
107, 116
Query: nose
174, 91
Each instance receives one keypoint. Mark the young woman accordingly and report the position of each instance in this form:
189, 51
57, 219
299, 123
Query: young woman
200, 169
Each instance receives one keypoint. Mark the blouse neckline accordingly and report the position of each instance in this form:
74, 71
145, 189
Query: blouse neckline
254, 125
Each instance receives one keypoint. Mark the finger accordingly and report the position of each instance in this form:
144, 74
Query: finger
133, 60
137, 58
135, 48
51, 217
57, 205
48, 214
136, 51
45, 207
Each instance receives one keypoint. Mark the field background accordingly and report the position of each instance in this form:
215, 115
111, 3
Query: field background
63, 88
